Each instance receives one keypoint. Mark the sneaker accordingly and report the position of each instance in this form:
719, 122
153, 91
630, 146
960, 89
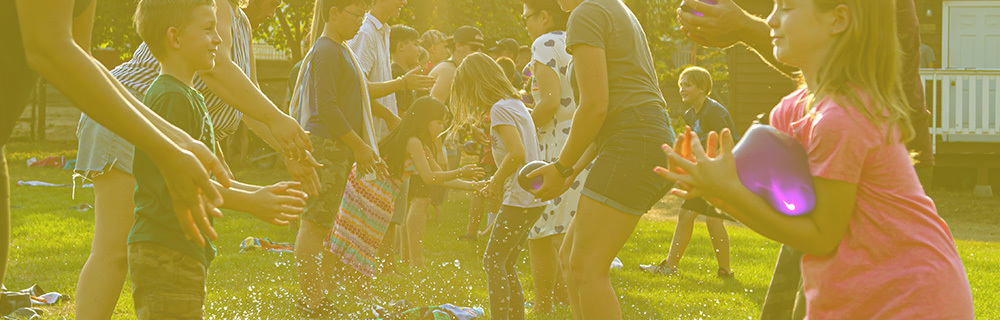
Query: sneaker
661, 269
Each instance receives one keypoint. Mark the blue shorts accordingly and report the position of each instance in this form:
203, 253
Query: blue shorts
629, 148
99, 149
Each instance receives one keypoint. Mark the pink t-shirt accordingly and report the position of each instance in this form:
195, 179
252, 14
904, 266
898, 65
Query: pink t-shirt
898, 259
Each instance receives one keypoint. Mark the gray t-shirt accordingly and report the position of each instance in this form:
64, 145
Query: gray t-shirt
926, 56
610, 25
512, 112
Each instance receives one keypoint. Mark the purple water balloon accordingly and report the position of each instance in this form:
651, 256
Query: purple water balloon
687, 8
775, 166
530, 184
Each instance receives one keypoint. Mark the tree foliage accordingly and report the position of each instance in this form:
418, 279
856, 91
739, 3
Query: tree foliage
497, 19
288, 28
113, 27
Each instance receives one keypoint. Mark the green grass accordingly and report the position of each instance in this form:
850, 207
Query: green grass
50, 243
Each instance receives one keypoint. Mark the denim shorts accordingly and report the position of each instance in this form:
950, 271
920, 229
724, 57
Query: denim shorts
99, 149
696, 205
629, 148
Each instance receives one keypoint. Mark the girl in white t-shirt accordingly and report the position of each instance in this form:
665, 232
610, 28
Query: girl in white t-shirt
480, 87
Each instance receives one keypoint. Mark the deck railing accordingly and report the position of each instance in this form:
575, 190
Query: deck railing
964, 104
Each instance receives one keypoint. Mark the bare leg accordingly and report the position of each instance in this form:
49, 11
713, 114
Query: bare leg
387, 250
591, 256
315, 265
564, 256
682, 237
416, 221
720, 241
545, 270
103, 275
4, 212
560, 293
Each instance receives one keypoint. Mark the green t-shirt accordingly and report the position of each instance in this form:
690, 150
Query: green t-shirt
610, 25
155, 222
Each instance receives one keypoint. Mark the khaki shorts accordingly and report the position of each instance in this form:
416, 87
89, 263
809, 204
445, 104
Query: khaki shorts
337, 161
166, 284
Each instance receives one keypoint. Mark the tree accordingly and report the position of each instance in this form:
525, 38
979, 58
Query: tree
497, 19
288, 28
113, 27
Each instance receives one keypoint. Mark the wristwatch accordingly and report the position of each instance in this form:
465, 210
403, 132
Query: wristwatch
564, 171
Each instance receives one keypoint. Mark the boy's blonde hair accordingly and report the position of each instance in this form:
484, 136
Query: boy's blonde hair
478, 84
153, 18
699, 76
866, 58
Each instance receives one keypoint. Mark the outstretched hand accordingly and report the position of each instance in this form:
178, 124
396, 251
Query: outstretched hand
721, 26
293, 139
471, 172
193, 195
708, 174
279, 204
304, 171
416, 80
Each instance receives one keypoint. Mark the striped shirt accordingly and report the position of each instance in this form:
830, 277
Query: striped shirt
138, 74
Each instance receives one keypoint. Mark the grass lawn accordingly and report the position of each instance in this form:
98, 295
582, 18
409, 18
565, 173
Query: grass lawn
50, 244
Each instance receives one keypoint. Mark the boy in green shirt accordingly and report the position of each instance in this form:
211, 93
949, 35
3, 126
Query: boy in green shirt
168, 270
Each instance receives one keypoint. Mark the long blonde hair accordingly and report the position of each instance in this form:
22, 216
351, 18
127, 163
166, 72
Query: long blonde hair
478, 84
866, 58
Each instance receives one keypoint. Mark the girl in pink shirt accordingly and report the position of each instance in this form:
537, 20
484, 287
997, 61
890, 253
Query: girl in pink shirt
875, 246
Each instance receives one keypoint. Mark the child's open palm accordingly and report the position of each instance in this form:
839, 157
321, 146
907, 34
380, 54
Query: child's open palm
279, 203
471, 172
709, 174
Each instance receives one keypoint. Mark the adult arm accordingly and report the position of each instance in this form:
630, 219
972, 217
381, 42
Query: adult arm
412, 80
443, 75
550, 93
302, 170
46, 29
725, 24
382, 112
230, 84
363, 45
587, 120
909, 40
